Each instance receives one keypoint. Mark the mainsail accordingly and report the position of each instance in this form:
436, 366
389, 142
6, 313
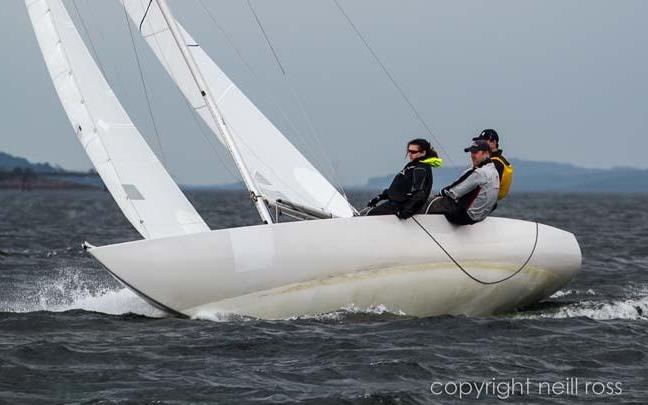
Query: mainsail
138, 182
277, 169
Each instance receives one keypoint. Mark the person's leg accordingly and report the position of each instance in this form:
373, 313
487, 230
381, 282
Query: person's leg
459, 217
453, 212
386, 208
440, 205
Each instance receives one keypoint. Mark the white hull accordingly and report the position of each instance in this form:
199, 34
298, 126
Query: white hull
310, 267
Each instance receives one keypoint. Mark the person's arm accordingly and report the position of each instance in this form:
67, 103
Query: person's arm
377, 199
417, 196
474, 180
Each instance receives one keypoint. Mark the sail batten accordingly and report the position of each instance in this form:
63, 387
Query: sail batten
136, 179
276, 168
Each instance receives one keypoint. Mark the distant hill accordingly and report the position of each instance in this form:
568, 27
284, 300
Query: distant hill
530, 176
19, 173
533, 176
9, 162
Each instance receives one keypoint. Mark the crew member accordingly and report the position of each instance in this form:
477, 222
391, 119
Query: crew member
411, 187
504, 168
474, 194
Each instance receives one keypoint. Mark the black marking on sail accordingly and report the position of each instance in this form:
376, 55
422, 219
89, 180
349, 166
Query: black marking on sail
132, 193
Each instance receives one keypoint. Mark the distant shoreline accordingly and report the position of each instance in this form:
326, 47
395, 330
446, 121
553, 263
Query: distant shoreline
27, 180
18, 173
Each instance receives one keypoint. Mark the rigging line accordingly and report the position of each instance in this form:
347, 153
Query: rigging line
87, 33
145, 14
313, 131
254, 74
115, 69
227, 37
192, 111
466, 272
146, 94
270, 169
283, 71
256, 77
265, 35
391, 78
209, 139
296, 97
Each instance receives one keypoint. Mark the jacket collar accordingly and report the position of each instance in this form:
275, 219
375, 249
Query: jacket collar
484, 163
432, 161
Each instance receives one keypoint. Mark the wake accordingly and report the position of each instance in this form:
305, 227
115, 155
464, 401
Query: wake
80, 289
77, 289
634, 307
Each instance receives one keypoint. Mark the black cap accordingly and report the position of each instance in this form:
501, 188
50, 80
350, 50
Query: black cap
487, 135
477, 145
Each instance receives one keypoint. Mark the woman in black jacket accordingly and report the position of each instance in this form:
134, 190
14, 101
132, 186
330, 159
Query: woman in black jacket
411, 187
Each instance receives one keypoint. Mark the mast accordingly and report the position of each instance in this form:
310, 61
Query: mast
196, 74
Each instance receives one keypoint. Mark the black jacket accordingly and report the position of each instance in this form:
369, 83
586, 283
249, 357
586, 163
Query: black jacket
412, 186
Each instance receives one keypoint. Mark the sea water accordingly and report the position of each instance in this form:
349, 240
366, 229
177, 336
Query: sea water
69, 333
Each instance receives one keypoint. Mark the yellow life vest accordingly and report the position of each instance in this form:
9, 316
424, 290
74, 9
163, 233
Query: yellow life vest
507, 177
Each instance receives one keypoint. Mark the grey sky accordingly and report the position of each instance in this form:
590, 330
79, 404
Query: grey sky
560, 80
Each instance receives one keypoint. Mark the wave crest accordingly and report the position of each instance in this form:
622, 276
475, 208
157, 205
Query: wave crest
75, 288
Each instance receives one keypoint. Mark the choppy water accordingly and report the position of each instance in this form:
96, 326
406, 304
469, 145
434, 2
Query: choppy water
71, 334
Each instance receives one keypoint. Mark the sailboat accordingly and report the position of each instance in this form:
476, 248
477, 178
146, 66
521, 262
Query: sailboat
330, 258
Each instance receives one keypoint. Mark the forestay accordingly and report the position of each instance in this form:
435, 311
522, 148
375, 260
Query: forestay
279, 171
138, 182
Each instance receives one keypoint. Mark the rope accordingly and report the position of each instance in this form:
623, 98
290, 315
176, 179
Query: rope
466, 272
92, 46
393, 81
145, 14
256, 77
141, 74
265, 35
311, 127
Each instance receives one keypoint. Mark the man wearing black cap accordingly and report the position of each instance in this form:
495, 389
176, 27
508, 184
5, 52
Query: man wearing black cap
504, 168
474, 194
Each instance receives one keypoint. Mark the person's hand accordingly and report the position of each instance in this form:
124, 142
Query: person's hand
403, 214
444, 192
373, 202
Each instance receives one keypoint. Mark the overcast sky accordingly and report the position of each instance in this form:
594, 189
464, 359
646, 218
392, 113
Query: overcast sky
561, 80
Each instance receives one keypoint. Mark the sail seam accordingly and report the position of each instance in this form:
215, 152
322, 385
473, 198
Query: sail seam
227, 90
150, 34
87, 111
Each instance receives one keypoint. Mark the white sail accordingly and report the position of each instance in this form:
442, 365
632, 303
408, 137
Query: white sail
138, 182
279, 171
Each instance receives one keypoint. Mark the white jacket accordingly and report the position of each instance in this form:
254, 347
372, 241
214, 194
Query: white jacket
476, 190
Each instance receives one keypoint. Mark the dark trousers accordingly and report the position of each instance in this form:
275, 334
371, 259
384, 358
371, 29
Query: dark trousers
386, 208
452, 211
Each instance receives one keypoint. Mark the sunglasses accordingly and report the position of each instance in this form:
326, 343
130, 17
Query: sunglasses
413, 151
